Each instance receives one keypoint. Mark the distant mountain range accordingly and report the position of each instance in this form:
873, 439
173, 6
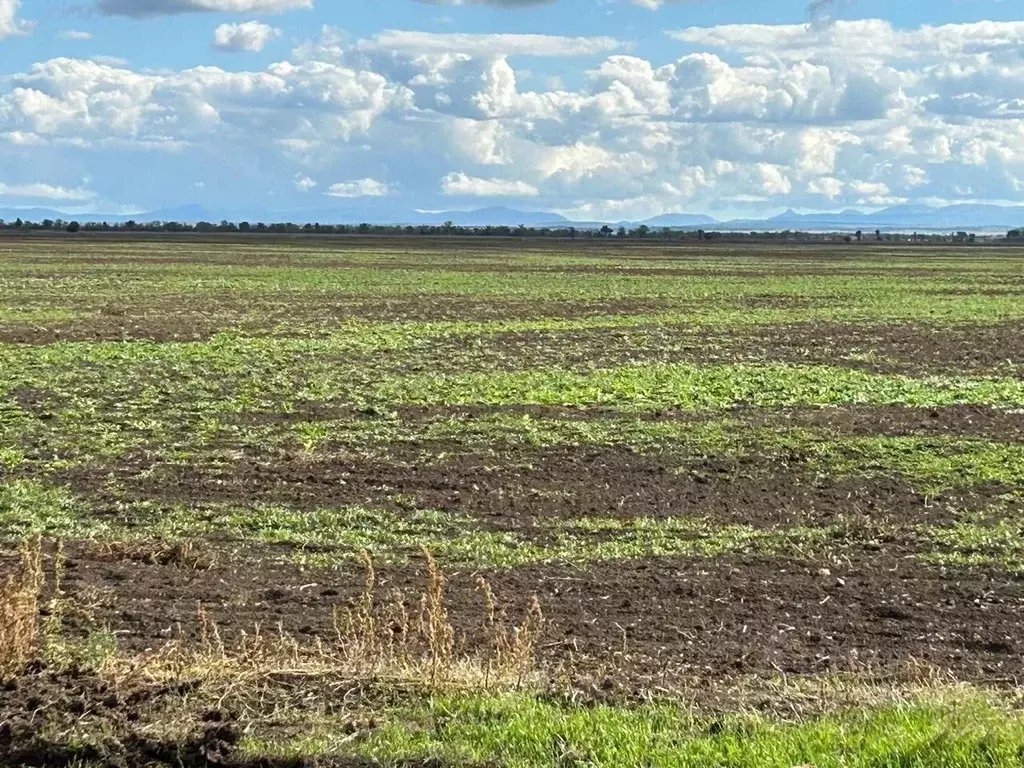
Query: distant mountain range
971, 217
900, 217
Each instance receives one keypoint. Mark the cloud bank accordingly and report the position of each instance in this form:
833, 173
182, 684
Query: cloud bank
745, 116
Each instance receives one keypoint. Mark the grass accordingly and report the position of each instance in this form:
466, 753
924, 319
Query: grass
937, 464
447, 705
998, 543
696, 387
329, 536
29, 507
516, 730
20, 596
180, 405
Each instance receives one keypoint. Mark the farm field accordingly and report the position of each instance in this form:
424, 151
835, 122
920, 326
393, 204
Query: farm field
331, 501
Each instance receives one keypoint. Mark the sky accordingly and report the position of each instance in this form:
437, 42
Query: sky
595, 109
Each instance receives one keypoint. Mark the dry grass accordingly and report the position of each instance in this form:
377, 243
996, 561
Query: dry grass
20, 594
380, 640
178, 553
375, 640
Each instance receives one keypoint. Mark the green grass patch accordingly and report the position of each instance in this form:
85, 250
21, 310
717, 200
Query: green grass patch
691, 386
29, 507
969, 543
518, 730
328, 536
936, 464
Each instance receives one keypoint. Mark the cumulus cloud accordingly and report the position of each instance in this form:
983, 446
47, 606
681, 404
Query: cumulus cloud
10, 24
359, 188
861, 39
472, 186
248, 36
46, 192
90, 102
417, 43
844, 114
303, 183
144, 8
825, 185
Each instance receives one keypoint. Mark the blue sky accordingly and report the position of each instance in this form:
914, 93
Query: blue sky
600, 110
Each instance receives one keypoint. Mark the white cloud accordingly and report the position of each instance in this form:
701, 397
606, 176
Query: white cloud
417, 43
482, 141
74, 34
303, 183
773, 179
45, 192
494, 3
871, 188
248, 36
109, 61
861, 39
828, 186
144, 8
757, 116
10, 24
472, 186
90, 102
359, 188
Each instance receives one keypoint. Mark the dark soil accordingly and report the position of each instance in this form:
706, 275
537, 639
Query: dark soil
561, 482
868, 604
714, 618
40, 712
509, 486
900, 348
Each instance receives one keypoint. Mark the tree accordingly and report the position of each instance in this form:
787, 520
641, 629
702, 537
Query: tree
73, 227
878, 235
622, 232
606, 231
642, 231
859, 235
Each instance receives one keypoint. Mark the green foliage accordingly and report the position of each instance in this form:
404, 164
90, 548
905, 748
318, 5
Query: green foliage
936, 463
692, 386
520, 730
28, 507
327, 536
999, 543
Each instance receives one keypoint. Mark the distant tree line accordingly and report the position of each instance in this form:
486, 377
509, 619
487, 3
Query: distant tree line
640, 232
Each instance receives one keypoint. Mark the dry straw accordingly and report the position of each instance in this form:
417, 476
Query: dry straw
20, 594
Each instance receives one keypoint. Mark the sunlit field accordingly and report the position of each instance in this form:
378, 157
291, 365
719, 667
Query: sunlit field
510, 503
